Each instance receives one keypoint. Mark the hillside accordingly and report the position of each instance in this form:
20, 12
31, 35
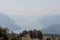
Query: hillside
52, 29
6, 21
50, 19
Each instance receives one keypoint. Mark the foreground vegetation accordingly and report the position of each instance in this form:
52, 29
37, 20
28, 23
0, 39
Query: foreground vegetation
6, 35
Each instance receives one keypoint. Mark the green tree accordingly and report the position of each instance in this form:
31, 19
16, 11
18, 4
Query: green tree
3, 33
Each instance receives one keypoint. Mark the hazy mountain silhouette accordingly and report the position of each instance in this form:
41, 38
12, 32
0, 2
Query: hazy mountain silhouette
52, 29
50, 19
51, 24
6, 21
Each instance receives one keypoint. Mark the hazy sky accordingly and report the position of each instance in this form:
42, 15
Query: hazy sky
30, 7
24, 9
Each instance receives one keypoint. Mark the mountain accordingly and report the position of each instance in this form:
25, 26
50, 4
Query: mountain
50, 19
6, 21
52, 29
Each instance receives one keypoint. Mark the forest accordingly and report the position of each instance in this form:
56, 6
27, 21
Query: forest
6, 35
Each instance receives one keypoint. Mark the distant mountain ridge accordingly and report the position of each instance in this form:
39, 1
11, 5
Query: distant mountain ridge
52, 29
50, 19
6, 21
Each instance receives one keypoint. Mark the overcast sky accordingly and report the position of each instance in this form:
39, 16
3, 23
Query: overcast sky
20, 9
30, 7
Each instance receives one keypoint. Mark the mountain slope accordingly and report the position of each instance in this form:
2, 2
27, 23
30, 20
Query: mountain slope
49, 20
52, 29
6, 21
